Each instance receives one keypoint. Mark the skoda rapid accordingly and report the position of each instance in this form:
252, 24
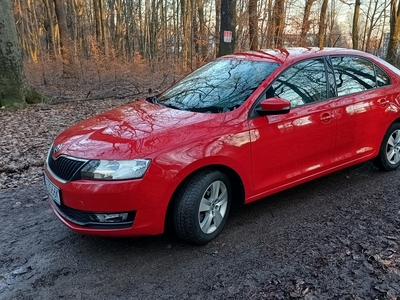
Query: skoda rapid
236, 130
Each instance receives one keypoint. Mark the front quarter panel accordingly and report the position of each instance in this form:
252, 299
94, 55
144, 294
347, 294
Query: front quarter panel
230, 148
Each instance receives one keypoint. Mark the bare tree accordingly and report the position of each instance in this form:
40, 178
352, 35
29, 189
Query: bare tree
186, 33
217, 25
377, 13
271, 25
279, 22
228, 24
322, 18
394, 32
253, 24
15, 90
305, 26
67, 53
356, 16
202, 36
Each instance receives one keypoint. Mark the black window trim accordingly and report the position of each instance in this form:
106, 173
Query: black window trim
384, 72
364, 58
252, 112
328, 66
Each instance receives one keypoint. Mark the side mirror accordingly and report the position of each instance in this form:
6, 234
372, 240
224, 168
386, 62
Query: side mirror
273, 106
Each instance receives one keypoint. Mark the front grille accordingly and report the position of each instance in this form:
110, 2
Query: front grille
88, 219
66, 168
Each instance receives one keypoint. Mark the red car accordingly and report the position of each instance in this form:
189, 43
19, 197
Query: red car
238, 129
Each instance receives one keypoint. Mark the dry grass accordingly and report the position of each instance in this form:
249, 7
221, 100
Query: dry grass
101, 78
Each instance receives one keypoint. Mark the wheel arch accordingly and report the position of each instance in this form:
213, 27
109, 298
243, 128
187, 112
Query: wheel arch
394, 121
238, 190
382, 161
397, 120
381, 138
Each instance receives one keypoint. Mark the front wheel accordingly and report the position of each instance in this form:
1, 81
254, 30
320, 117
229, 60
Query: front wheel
202, 206
389, 153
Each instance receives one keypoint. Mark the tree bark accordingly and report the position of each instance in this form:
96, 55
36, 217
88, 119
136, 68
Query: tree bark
355, 24
270, 28
49, 26
104, 32
217, 25
364, 37
66, 41
15, 90
394, 35
253, 24
228, 24
321, 31
306, 23
279, 22
202, 31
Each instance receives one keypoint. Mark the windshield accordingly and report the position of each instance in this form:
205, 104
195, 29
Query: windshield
217, 87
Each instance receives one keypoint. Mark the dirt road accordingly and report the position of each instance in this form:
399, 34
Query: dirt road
333, 238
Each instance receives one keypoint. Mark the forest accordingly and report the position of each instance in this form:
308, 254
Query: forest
166, 39
186, 33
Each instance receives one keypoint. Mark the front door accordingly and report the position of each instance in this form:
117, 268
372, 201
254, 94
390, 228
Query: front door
288, 148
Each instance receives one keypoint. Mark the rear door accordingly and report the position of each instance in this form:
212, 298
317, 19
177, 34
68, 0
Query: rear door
363, 90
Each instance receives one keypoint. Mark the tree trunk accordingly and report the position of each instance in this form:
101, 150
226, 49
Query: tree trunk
355, 24
104, 32
217, 25
321, 31
186, 12
228, 24
394, 35
202, 31
306, 23
15, 90
270, 28
279, 22
382, 29
364, 37
80, 36
49, 26
66, 41
253, 24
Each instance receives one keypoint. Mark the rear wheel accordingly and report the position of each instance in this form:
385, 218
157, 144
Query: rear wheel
389, 153
202, 206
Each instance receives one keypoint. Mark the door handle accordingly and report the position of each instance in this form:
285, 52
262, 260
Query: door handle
326, 118
383, 102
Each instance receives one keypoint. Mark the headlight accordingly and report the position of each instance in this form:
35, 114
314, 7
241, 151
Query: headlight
115, 169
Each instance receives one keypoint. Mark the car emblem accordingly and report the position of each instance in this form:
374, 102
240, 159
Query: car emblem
57, 148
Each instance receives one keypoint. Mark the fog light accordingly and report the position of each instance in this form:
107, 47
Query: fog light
112, 218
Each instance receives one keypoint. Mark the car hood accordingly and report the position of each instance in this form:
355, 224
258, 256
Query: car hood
136, 130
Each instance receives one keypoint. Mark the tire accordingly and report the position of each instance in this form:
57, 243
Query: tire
202, 206
388, 158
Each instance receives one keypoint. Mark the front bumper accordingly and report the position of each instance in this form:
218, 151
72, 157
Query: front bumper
81, 199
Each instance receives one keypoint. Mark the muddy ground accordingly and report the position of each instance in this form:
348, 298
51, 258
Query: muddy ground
333, 238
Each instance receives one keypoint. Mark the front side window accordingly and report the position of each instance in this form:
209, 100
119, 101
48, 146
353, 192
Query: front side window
217, 87
353, 74
302, 83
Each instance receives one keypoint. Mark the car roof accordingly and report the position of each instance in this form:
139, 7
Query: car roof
291, 54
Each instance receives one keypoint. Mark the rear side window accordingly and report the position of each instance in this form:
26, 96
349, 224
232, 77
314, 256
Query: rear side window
353, 74
382, 78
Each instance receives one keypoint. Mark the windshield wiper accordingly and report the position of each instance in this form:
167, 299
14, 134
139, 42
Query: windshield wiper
170, 106
152, 99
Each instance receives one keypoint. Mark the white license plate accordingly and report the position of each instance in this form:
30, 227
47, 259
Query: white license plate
53, 190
